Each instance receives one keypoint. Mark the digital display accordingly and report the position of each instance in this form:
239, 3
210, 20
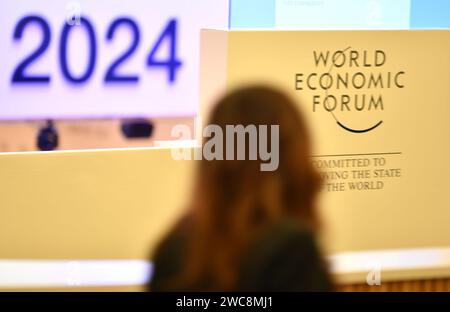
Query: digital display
340, 14
102, 58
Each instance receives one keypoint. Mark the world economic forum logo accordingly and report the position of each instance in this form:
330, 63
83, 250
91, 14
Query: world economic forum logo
351, 85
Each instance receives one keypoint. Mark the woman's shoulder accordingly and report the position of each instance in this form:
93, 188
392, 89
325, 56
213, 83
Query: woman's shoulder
281, 236
168, 255
286, 257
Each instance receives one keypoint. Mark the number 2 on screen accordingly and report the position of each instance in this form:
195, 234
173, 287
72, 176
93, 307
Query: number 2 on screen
19, 73
171, 64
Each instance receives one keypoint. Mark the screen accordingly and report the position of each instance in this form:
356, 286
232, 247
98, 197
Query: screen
340, 14
102, 58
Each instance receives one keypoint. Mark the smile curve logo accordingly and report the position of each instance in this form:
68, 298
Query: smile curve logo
357, 130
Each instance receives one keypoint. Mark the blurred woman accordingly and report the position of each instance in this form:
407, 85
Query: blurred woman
247, 229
